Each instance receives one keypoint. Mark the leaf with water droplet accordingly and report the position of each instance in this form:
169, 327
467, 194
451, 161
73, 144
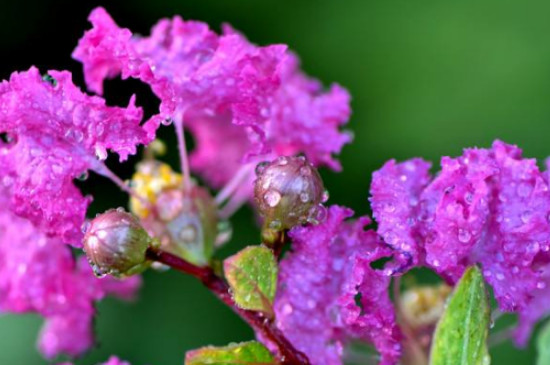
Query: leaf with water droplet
461, 334
543, 345
252, 276
251, 353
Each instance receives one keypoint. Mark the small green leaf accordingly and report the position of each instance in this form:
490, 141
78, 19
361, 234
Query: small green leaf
461, 334
244, 353
543, 345
252, 276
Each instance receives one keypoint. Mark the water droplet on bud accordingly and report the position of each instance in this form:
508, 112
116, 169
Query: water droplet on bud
272, 198
261, 167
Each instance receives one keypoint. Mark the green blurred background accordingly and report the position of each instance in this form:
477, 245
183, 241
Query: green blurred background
427, 78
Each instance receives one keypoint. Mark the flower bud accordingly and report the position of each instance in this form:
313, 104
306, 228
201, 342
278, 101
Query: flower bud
185, 223
116, 243
423, 306
288, 192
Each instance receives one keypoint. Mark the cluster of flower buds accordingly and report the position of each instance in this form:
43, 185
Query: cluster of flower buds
288, 192
182, 218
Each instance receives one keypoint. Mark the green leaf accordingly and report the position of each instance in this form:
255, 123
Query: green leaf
461, 334
252, 276
543, 345
252, 352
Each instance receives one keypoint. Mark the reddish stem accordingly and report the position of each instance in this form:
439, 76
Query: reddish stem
288, 354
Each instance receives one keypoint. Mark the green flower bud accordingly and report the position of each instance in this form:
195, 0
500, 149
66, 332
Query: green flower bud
185, 223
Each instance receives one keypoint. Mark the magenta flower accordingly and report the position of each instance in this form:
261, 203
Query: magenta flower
329, 266
488, 206
239, 100
39, 274
54, 134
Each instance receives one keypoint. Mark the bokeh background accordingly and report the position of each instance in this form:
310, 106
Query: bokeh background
428, 78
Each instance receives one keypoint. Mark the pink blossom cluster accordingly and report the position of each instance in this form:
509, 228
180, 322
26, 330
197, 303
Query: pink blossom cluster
243, 103
489, 207
328, 268
239, 101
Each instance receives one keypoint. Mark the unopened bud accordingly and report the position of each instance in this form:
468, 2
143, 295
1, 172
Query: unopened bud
185, 223
423, 306
288, 192
116, 244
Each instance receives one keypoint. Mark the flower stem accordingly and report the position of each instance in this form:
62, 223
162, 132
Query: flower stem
234, 183
105, 171
184, 159
262, 325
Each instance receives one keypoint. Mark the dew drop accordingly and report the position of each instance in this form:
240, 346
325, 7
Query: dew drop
272, 198
305, 171
167, 121
389, 207
83, 176
541, 285
525, 216
275, 224
85, 226
524, 190
98, 272
50, 80
282, 160
325, 196
101, 153
317, 214
260, 168
464, 235
225, 231
304, 197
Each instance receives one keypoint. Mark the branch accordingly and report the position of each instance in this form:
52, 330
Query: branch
288, 354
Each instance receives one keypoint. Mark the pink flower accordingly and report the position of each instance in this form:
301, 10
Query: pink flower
220, 84
39, 274
488, 206
55, 133
319, 281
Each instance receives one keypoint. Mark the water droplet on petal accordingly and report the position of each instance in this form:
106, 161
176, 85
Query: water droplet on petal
526, 216
524, 189
304, 197
167, 121
389, 207
83, 176
464, 235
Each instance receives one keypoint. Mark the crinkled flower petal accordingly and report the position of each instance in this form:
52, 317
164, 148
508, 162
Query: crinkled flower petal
487, 207
216, 82
395, 193
39, 274
318, 282
55, 133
